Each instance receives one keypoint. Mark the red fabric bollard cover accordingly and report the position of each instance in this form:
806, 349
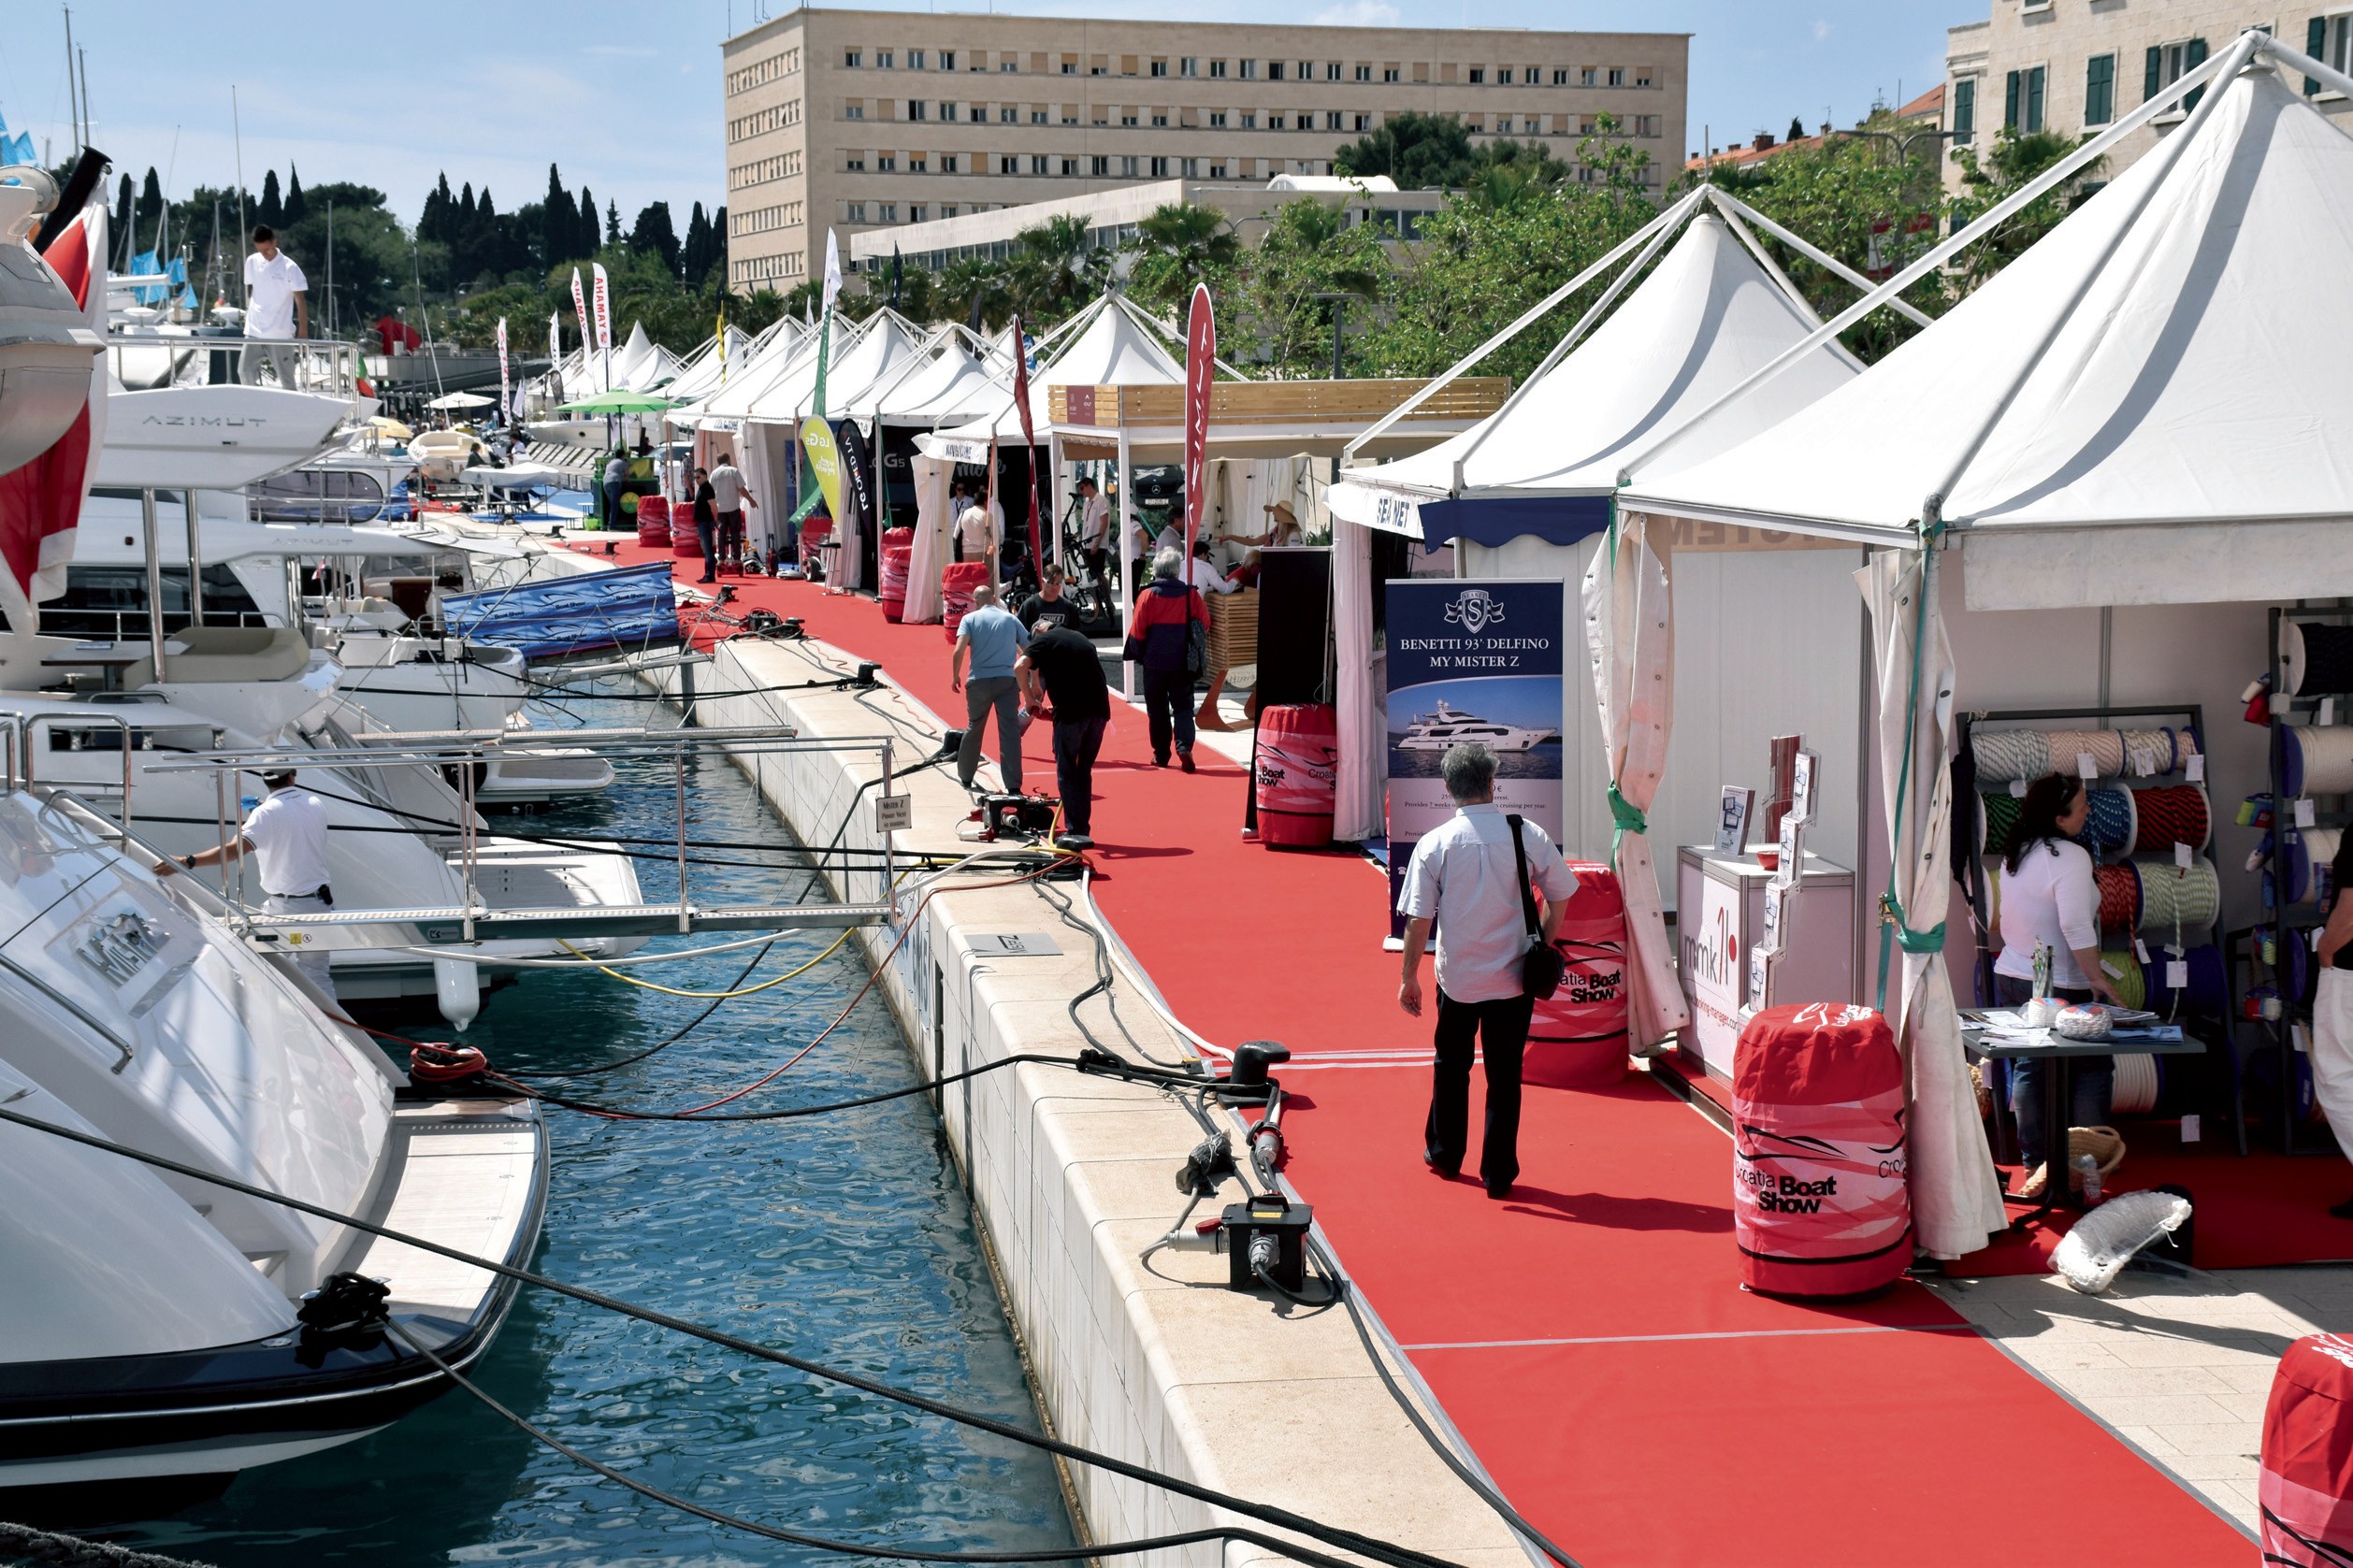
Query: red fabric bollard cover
2305, 1486
653, 521
815, 531
1578, 1039
685, 539
1821, 1206
898, 547
958, 580
1297, 774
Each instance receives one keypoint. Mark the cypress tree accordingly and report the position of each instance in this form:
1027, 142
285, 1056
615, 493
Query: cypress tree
273, 209
123, 212
296, 206
584, 237
559, 223
696, 258
612, 223
653, 235
150, 208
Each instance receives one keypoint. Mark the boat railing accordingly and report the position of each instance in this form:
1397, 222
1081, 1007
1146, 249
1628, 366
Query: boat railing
92, 819
147, 361
23, 753
464, 758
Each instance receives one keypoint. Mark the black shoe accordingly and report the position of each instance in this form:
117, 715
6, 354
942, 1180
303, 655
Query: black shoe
1184, 760
1448, 1171
2344, 1210
1499, 1189
1159, 762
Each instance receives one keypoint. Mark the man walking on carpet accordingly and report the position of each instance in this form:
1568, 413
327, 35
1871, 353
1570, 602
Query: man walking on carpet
1062, 664
1161, 638
992, 640
1468, 877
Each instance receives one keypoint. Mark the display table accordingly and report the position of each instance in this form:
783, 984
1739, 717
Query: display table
1720, 914
1978, 1038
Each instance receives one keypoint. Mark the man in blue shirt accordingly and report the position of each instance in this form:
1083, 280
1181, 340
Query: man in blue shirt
990, 640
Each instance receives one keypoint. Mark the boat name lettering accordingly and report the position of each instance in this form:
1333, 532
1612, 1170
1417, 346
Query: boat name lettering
1457, 644
203, 421
118, 948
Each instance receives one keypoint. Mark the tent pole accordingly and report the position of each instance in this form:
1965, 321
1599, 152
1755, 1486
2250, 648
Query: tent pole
2237, 56
1934, 259
1736, 209
1120, 562
1454, 371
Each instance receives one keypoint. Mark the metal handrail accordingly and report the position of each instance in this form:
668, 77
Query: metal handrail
28, 724
341, 360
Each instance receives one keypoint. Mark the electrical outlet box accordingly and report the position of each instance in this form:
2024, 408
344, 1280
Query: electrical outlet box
1286, 1223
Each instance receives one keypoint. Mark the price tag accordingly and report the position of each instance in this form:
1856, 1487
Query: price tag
2114, 972
2189, 1127
2140, 950
2177, 974
2305, 815
2086, 765
2181, 856
2327, 710
893, 812
2313, 935
2017, 789
2195, 769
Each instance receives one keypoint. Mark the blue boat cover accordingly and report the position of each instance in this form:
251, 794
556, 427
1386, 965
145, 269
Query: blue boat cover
629, 607
1554, 519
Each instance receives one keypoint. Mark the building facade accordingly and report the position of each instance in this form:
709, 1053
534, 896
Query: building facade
2076, 66
868, 120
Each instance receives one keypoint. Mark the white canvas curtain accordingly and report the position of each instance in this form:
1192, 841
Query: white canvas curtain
1629, 634
1357, 810
929, 552
1955, 1200
751, 456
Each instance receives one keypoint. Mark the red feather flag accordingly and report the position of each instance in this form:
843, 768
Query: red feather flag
40, 503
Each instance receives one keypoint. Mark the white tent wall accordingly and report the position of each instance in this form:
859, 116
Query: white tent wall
928, 550
766, 454
1768, 642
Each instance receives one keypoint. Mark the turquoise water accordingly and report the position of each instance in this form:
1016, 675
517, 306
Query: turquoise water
845, 1238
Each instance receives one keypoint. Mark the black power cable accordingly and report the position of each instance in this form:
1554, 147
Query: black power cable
1347, 1540
848, 1548
794, 1111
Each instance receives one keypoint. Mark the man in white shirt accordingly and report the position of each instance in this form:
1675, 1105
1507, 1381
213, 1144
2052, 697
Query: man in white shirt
286, 834
1199, 572
976, 535
730, 496
276, 306
1465, 877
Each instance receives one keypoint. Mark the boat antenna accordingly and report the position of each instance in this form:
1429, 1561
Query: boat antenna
427, 316
330, 267
236, 134
84, 57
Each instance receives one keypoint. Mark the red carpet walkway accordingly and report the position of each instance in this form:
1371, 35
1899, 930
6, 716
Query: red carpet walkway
1589, 1336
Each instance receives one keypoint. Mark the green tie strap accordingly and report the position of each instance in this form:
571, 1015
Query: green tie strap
1625, 816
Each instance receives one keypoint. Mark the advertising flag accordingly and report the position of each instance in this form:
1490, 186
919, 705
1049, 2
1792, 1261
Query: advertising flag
825, 461
832, 270
580, 312
1200, 353
506, 395
41, 500
1029, 440
604, 308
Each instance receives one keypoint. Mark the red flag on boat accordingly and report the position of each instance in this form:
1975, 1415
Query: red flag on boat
40, 503
1200, 353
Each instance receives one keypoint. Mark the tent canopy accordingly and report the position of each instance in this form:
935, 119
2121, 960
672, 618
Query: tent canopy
878, 352
967, 379
1114, 350
2175, 440
1707, 318
782, 360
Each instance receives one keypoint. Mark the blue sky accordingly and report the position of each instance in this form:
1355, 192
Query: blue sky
492, 92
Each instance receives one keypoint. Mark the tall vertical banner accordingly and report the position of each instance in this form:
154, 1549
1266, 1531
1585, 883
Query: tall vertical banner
604, 320
824, 462
580, 315
1028, 442
555, 357
1200, 355
1472, 660
506, 394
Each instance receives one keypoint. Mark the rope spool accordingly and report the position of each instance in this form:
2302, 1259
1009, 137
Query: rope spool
2306, 855
2318, 759
2131, 981
2003, 755
2105, 748
2170, 814
2299, 974
2135, 1092
2209, 987
2119, 898
2149, 752
2315, 657
1996, 815
2109, 826
2174, 898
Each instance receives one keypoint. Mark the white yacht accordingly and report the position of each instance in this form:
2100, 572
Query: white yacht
152, 1337
1447, 726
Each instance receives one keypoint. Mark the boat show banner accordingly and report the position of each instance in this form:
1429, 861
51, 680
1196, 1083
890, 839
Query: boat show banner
1472, 660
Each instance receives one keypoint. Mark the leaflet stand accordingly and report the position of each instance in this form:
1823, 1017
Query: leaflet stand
1779, 893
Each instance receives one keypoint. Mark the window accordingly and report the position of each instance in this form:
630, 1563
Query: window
1249, 70
1160, 168
1305, 72
1363, 122
2166, 64
1217, 68
915, 60
1040, 164
854, 212
1187, 66
977, 113
1617, 75
1305, 120
1331, 120
853, 111
1273, 70
1216, 171
1965, 112
1364, 73
1127, 120
1273, 122
1159, 67
1008, 63
1216, 120
947, 163
1589, 77
2100, 89
882, 59
949, 210
1008, 115
1070, 165
1560, 75
1332, 70
1250, 120
1642, 75
2022, 101
850, 60
886, 162
947, 59
916, 108
1008, 162
916, 213
855, 162
1389, 73
1648, 125
1160, 117
1479, 75
1189, 168
1101, 164
1099, 71
1037, 117
1070, 68
888, 212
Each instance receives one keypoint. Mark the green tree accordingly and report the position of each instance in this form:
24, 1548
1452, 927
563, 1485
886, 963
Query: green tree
1434, 152
1279, 306
1056, 267
2013, 162
652, 235
1176, 246
977, 289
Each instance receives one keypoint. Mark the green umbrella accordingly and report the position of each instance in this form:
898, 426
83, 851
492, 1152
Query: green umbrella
619, 403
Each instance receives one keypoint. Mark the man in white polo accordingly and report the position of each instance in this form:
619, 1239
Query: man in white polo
276, 306
287, 834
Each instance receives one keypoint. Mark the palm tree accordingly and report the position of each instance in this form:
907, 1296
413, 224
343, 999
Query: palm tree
981, 286
1057, 266
1178, 246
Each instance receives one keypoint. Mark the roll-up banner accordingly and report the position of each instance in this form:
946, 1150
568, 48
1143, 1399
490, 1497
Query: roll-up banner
856, 476
825, 461
1472, 661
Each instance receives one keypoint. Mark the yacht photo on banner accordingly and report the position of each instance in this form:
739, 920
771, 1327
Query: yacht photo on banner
1472, 660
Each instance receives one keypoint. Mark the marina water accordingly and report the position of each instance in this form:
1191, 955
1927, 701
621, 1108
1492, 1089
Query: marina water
845, 1238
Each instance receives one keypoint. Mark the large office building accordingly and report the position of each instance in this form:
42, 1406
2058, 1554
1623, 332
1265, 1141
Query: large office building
867, 119
2074, 66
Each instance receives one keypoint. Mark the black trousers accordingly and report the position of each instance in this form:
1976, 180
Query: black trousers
1076, 745
705, 534
1168, 708
1502, 1028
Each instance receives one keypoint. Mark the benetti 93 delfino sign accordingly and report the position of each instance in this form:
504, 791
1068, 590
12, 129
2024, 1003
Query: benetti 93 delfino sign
1472, 662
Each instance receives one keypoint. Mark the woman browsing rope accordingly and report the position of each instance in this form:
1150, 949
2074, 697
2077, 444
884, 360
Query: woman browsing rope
2332, 1010
2049, 901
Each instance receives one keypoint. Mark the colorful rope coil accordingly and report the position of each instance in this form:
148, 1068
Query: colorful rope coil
2003, 754
2307, 855
2149, 754
2109, 826
2177, 900
2133, 986
2316, 657
1997, 814
2119, 898
2170, 814
2318, 759
2209, 987
2105, 747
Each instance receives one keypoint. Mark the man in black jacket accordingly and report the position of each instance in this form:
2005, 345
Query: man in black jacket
1063, 666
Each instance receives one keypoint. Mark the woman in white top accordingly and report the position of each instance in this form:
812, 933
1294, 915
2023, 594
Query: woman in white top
2049, 898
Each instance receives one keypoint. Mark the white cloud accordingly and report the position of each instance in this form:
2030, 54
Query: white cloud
1821, 31
1357, 13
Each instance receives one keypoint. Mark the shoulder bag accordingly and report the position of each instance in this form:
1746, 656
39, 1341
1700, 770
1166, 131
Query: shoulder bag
1541, 966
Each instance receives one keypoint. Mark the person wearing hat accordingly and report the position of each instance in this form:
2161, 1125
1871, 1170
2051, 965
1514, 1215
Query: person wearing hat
286, 834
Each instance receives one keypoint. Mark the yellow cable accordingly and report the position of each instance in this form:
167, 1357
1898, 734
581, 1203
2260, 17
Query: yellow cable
710, 996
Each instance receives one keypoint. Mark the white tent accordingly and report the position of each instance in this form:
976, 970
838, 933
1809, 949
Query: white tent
1115, 349
969, 376
2129, 414
701, 374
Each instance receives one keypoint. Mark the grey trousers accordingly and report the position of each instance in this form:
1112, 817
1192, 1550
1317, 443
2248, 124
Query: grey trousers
1003, 694
303, 946
281, 360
